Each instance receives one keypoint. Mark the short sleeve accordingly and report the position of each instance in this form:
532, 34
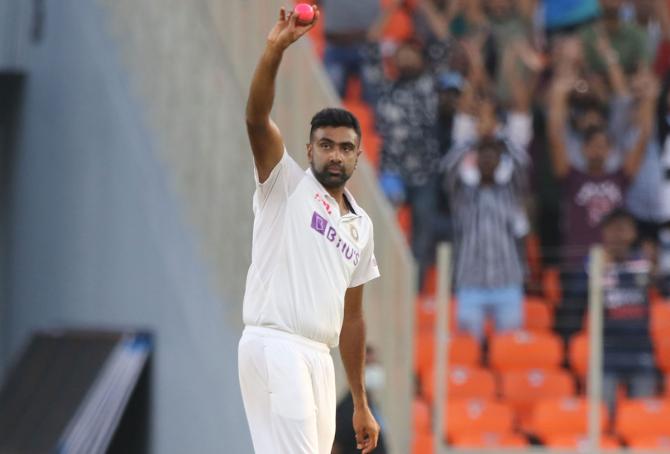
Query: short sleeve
519, 129
279, 185
367, 269
464, 129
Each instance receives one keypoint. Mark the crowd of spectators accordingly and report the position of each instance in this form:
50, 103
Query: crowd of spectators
501, 119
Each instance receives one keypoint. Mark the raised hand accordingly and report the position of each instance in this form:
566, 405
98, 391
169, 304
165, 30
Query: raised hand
287, 30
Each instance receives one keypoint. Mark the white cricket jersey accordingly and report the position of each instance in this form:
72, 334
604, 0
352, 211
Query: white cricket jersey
304, 255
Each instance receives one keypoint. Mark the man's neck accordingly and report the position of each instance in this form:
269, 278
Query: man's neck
338, 195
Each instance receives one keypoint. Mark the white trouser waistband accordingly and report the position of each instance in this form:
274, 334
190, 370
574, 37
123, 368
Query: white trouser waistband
263, 331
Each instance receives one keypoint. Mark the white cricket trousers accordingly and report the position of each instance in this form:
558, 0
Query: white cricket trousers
288, 389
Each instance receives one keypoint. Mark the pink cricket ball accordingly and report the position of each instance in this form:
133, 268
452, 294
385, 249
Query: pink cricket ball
305, 13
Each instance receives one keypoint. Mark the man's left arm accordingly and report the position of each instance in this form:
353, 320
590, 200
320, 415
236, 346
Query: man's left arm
352, 351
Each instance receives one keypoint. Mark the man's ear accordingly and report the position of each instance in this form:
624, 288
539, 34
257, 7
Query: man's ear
309, 152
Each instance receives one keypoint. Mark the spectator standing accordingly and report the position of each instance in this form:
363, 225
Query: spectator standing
628, 40
589, 195
628, 357
486, 173
488, 226
406, 115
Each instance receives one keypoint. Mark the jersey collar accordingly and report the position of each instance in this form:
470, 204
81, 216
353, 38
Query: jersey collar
350, 198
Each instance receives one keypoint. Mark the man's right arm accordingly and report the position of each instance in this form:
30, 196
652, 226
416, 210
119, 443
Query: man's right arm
266, 141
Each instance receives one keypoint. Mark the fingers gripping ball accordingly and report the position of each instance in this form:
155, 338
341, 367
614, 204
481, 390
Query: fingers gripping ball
305, 13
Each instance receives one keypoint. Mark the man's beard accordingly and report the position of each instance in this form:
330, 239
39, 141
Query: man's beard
329, 180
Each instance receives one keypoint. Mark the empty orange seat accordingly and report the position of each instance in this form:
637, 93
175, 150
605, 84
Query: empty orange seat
404, 218
490, 440
363, 113
659, 322
662, 352
562, 416
464, 383
525, 350
463, 350
422, 443
539, 315
426, 313
661, 443
579, 442
372, 145
551, 284
643, 418
578, 353
476, 416
522, 389
666, 385
421, 416
399, 27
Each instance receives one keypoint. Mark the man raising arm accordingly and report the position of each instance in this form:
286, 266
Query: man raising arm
312, 252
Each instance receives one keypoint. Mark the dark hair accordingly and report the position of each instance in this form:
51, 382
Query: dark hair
593, 131
490, 143
334, 117
617, 214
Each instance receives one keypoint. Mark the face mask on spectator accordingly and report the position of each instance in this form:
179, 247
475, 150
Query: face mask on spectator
375, 377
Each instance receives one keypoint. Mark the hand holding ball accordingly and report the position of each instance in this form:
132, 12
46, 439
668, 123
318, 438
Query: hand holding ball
304, 13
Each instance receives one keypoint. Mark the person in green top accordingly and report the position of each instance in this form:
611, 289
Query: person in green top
627, 39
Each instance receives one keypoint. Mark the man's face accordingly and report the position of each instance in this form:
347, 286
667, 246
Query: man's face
618, 237
333, 153
487, 161
409, 61
596, 151
587, 119
448, 101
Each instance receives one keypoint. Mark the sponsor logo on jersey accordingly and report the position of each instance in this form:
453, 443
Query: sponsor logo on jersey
349, 252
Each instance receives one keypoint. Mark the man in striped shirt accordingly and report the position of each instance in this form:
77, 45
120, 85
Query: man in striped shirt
485, 179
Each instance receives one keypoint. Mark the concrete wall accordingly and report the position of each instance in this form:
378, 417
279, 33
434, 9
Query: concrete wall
100, 237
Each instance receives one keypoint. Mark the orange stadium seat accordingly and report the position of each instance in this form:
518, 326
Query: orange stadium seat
661, 443
562, 416
404, 219
422, 443
426, 313
400, 26
534, 259
525, 350
490, 440
580, 443
666, 385
578, 353
463, 350
522, 389
551, 284
464, 383
643, 418
372, 146
659, 319
363, 112
662, 352
421, 416
539, 315
476, 416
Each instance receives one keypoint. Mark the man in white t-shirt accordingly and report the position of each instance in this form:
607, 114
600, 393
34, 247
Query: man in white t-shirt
312, 252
